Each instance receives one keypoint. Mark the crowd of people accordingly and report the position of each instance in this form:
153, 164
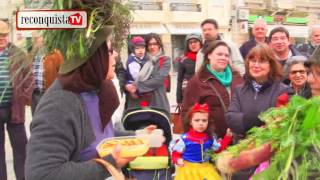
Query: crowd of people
221, 90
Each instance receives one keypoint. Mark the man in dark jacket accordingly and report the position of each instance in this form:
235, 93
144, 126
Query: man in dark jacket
308, 48
279, 42
16, 85
259, 32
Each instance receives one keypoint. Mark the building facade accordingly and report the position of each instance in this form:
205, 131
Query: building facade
174, 19
294, 15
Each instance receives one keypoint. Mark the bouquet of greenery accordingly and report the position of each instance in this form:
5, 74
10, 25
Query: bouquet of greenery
290, 139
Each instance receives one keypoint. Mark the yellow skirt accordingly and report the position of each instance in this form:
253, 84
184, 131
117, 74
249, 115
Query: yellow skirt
197, 171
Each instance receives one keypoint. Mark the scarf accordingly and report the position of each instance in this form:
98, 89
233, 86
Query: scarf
224, 77
191, 55
259, 87
148, 67
91, 76
256, 86
141, 61
197, 136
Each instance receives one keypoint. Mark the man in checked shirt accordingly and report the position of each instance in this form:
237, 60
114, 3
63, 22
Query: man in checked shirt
16, 85
45, 68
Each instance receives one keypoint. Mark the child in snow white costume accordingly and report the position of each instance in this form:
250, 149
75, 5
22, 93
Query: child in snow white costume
189, 151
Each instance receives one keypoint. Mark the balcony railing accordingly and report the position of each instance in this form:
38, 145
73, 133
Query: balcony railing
151, 6
295, 5
256, 4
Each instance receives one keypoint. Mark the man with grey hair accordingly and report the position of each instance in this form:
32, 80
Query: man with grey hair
259, 32
314, 35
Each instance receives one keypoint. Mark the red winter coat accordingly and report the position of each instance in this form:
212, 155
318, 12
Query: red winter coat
199, 90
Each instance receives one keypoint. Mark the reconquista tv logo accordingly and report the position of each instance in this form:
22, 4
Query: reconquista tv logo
51, 19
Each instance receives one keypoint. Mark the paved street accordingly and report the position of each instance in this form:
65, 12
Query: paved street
172, 100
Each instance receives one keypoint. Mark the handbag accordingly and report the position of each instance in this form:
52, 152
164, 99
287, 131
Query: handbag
177, 121
235, 137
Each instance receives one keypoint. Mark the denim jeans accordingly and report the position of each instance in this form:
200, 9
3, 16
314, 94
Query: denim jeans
18, 140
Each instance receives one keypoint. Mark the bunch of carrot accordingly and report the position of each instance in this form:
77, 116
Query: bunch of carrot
290, 140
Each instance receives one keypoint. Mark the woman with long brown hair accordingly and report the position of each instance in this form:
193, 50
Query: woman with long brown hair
262, 89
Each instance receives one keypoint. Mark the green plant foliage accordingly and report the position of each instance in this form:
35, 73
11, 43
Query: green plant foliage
100, 13
294, 133
121, 20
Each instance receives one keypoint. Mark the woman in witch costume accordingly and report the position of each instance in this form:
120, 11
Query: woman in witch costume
314, 73
72, 117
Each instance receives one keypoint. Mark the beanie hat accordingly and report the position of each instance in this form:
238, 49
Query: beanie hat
193, 36
138, 41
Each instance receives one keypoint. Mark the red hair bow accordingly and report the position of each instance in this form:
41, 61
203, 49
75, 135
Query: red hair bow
200, 108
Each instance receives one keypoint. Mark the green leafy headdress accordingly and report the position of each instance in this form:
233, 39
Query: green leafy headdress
78, 44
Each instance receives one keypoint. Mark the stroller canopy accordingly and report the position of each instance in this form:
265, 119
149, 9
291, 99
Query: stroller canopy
139, 118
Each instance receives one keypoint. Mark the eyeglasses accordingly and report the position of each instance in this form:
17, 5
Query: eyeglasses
298, 71
192, 41
282, 38
153, 44
260, 62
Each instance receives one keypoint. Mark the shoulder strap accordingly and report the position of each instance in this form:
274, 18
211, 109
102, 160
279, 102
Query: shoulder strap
219, 96
161, 61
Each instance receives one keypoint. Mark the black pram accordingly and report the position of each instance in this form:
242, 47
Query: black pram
155, 164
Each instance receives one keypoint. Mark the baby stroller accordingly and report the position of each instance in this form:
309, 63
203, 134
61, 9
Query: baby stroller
155, 164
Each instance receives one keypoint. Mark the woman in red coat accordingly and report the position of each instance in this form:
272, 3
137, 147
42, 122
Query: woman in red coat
213, 84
